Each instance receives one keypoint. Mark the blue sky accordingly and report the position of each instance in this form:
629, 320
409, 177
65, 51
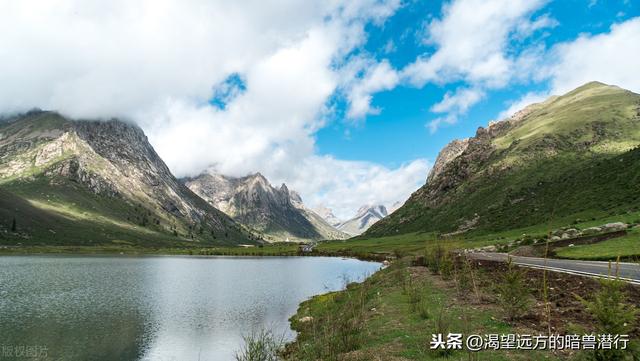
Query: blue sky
346, 101
398, 134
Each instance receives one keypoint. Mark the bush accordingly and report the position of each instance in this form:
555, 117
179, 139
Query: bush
442, 327
513, 294
338, 332
422, 308
260, 346
433, 256
613, 315
446, 265
462, 276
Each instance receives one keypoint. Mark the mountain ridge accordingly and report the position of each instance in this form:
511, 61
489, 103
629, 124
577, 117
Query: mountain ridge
77, 169
365, 217
517, 172
277, 212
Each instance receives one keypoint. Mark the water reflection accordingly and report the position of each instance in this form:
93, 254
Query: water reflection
156, 308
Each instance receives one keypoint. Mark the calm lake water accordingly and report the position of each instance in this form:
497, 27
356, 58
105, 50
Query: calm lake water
155, 308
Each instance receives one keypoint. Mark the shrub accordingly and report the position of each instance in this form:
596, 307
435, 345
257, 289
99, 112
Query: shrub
433, 256
613, 315
446, 265
462, 276
260, 346
442, 327
513, 294
338, 332
422, 308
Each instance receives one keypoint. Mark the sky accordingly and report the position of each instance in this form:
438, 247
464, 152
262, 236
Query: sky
348, 102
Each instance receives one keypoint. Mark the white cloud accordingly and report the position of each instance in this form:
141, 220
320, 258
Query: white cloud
346, 185
376, 76
522, 102
611, 58
608, 57
156, 62
472, 41
526, 28
455, 104
458, 102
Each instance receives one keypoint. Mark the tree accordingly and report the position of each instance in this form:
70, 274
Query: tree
513, 294
614, 315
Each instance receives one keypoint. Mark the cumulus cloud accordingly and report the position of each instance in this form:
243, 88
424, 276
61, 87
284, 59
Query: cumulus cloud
522, 102
376, 76
459, 102
454, 104
347, 185
472, 40
239, 86
607, 57
610, 57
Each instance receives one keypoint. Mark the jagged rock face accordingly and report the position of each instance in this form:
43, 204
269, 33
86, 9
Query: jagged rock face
364, 218
495, 179
446, 155
279, 213
395, 206
327, 215
109, 158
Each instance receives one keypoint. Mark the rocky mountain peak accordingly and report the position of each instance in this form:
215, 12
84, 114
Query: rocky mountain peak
472, 180
107, 158
378, 210
366, 216
446, 155
278, 212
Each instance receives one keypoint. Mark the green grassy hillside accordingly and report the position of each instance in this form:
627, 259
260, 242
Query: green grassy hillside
571, 159
70, 183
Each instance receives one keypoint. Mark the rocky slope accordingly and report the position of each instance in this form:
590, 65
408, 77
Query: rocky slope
328, 216
61, 176
365, 217
276, 212
567, 158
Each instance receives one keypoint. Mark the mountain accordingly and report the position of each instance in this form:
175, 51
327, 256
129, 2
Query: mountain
364, 218
569, 158
395, 206
97, 182
277, 213
327, 215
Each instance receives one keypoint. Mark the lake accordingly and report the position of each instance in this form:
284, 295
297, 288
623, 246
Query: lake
155, 308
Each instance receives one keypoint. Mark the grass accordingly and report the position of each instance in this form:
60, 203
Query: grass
51, 209
414, 243
132, 248
572, 158
624, 247
395, 323
409, 243
59, 212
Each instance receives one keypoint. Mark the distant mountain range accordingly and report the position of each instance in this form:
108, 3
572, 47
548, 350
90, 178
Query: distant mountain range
97, 182
364, 218
570, 158
276, 212
68, 182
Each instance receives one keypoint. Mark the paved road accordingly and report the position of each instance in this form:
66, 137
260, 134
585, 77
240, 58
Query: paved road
630, 272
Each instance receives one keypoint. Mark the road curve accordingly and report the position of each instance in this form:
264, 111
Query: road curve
629, 272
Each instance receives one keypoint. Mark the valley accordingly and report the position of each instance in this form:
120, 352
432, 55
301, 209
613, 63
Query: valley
559, 179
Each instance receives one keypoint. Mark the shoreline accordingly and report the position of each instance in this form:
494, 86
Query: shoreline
277, 250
